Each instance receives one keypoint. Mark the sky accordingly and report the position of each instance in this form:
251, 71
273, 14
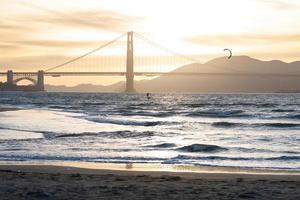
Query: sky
37, 34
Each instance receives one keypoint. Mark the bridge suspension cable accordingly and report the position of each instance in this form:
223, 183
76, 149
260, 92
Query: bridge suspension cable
86, 54
153, 43
163, 48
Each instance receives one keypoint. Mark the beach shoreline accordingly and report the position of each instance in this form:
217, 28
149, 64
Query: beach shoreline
69, 182
5, 109
59, 149
151, 168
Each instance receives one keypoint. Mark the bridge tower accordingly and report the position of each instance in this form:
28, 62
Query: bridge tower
40, 80
10, 77
129, 64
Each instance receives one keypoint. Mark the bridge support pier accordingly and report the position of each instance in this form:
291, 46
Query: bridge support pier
129, 64
40, 80
10, 78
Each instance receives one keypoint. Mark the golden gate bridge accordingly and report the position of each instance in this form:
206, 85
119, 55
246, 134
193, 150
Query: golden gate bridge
129, 66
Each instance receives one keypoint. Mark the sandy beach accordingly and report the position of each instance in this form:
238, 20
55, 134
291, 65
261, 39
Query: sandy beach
63, 182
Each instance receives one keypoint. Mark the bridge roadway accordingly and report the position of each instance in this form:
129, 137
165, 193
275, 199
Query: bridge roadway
58, 74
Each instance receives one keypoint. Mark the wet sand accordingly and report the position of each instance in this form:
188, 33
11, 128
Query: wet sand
4, 109
63, 182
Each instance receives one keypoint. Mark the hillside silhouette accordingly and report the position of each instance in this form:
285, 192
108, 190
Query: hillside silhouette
208, 83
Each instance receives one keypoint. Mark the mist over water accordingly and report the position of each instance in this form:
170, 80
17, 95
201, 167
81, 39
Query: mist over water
247, 130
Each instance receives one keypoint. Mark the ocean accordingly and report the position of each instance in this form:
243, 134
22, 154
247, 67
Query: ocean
234, 130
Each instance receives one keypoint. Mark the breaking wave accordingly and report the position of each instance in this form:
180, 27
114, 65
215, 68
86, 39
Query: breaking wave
279, 158
163, 145
202, 148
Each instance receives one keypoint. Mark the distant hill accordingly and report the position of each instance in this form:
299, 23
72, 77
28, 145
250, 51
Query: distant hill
238, 64
118, 87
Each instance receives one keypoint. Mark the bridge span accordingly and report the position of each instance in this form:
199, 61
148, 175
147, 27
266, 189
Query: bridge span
37, 78
61, 74
39, 84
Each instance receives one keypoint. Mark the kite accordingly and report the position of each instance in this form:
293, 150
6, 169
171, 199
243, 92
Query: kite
230, 53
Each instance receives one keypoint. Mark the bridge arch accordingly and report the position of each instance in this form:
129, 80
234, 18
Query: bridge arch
25, 78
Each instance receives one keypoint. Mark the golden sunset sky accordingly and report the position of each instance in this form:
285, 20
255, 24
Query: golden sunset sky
35, 32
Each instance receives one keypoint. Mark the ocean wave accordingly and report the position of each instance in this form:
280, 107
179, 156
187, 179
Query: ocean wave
76, 135
297, 116
225, 124
128, 122
288, 116
117, 159
114, 134
217, 114
258, 105
14, 149
287, 158
147, 113
282, 110
278, 125
255, 150
224, 158
266, 105
93, 103
98, 149
128, 134
195, 105
202, 148
252, 150
163, 145
63, 107
141, 104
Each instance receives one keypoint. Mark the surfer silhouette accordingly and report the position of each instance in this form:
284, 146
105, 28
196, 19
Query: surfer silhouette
148, 96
